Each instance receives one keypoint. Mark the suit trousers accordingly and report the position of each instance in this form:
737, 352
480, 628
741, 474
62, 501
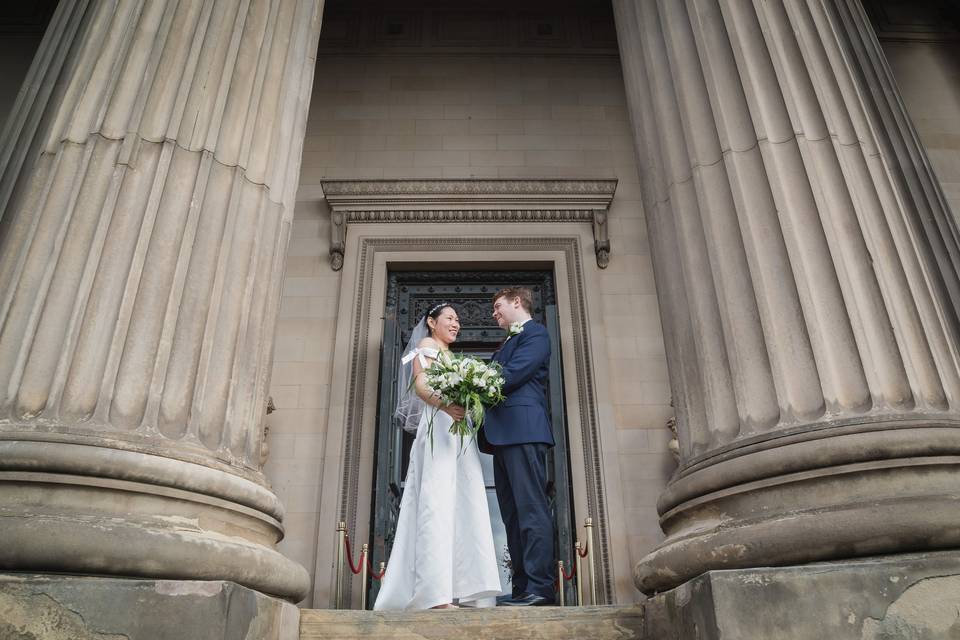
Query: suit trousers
520, 474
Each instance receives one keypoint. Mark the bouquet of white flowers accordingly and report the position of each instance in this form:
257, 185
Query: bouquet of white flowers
468, 382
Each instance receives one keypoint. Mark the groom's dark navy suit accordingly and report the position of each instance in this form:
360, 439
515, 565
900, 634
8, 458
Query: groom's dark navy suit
518, 434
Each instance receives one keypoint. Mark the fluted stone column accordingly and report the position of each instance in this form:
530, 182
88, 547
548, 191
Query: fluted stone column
147, 213
807, 269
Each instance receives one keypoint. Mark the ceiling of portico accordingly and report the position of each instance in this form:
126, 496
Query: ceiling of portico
923, 20
25, 18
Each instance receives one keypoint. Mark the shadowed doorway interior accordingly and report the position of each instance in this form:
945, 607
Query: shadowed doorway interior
409, 295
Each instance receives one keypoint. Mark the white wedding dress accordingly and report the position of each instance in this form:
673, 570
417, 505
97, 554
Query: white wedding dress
443, 549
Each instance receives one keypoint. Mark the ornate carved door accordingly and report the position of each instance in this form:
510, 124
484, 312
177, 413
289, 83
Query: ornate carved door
409, 295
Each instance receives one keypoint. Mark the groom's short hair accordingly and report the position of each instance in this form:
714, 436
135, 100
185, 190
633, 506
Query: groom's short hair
525, 295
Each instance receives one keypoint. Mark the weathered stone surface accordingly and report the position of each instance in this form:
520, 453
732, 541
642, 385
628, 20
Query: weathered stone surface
36, 607
807, 268
913, 597
548, 623
141, 255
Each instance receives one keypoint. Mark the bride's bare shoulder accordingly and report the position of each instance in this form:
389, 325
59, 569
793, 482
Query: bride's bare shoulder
429, 343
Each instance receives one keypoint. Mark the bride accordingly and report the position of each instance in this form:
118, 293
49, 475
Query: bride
443, 550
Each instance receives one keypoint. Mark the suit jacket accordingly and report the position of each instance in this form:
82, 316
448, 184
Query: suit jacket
522, 417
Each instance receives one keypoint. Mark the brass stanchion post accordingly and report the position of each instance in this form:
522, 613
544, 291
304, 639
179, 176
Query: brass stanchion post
578, 569
364, 576
341, 544
591, 551
560, 581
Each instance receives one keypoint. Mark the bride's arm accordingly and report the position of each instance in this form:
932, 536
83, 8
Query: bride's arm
427, 394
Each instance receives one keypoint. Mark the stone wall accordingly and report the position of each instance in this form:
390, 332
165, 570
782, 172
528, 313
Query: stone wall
928, 74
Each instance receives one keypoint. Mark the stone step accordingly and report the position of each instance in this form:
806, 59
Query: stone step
501, 623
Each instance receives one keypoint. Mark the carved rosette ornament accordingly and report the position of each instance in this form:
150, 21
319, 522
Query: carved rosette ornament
468, 201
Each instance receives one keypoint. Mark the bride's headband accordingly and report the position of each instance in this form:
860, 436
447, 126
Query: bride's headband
436, 307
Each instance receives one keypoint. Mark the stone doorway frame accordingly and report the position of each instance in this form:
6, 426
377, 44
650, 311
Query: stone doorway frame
447, 238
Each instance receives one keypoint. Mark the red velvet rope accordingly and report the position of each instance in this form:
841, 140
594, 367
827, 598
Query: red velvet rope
378, 575
374, 574
566, 576
354, 568
573, 569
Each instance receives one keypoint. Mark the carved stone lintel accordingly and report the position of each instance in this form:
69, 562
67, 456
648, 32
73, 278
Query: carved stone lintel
502, 201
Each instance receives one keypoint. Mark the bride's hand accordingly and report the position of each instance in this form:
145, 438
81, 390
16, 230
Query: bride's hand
455, 411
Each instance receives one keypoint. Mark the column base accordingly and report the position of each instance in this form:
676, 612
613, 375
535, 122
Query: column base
911, 597
870, 490
88, 608
90, 510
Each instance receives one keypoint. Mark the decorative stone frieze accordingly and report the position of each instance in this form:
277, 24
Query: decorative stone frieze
582, 28
443, 201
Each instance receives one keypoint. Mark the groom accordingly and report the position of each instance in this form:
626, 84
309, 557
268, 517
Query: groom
518, 434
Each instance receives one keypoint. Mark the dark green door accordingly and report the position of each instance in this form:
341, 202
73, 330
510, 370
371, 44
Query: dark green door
409, 295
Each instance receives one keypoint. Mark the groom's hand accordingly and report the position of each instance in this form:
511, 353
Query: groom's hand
455, 411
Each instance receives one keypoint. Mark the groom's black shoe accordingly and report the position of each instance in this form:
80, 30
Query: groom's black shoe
507, 598
530, 600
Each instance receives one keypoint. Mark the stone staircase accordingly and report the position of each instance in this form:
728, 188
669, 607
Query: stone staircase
501, 623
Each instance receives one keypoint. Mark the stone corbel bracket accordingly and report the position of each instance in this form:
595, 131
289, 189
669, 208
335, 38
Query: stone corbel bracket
471, 201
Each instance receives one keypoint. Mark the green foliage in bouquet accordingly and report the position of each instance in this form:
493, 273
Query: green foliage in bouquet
468, 382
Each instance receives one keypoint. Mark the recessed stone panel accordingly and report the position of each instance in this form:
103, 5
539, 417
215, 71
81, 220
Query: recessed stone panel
478, 28
341, 28
396, 28
545, 29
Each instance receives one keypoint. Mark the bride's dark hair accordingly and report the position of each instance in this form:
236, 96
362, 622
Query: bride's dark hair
434, 313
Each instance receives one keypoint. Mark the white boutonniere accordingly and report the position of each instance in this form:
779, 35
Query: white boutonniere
515, 329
